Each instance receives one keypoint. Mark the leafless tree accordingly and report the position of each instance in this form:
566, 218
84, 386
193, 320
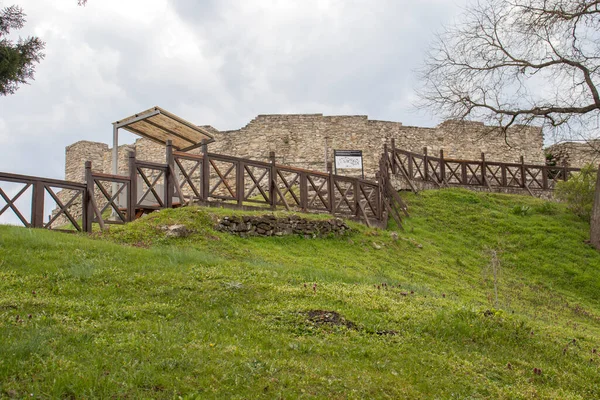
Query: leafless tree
519, 62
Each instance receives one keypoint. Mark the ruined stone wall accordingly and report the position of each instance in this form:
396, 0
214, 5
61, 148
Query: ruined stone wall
303, 140
306, 140
575, 154
78, 153
123, 160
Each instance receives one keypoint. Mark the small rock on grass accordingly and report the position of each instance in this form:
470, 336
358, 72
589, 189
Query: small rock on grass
177, 230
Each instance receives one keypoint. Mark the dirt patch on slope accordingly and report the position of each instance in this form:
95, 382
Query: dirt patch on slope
333, 318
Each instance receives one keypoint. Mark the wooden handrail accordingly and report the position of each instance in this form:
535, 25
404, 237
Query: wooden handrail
16, 178
151, 165
302, 170
118, 178
476, 172
363, 199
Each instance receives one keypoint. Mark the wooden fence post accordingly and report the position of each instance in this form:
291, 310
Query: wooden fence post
272, 181
356, 189
483, 172
132, 195
385, 154
393, 155
88, 210
37, 205
169, 186
425, 164
565, 170
503, 172
239, 182
303, 191
463, 173
330, 190
378, 177
523, 182
545, 177
442, 167
205, 184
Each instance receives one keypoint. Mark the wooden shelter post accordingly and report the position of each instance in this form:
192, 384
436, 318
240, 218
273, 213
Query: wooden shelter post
115, 161
205, 171
169, 187
115, 151
132, 195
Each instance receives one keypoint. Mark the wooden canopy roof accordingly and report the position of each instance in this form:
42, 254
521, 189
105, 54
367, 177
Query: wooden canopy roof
160, 125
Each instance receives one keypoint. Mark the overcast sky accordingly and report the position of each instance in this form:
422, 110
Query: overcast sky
216, 62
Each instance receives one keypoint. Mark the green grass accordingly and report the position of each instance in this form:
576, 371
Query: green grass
132, 314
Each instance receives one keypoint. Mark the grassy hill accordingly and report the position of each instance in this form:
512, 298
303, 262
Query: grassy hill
482, 296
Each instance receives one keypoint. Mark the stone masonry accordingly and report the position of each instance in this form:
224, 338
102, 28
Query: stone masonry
302, 140
575, 154
308, 140
270, 225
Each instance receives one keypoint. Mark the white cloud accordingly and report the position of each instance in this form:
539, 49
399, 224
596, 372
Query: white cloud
213, 62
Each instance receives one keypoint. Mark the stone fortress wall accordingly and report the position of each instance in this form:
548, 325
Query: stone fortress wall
575, 154
305, 140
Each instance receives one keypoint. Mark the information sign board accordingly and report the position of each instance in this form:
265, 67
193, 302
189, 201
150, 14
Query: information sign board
348, 159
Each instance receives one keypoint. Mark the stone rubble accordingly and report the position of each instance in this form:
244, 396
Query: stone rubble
270, 225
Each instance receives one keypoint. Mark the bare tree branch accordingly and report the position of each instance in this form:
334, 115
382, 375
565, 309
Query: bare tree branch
517, 62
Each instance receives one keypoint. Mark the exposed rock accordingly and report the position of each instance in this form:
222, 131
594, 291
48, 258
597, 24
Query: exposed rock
176, 231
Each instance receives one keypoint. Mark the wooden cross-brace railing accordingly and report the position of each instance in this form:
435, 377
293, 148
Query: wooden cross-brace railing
443, 171
205, 178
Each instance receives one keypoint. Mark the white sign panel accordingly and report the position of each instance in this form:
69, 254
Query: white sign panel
351, 162
350, 159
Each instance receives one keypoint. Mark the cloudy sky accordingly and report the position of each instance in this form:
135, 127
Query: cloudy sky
217, 62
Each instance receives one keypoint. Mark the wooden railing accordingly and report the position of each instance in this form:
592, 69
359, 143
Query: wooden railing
443, 171
206, 178
243, 182
33, 191
248, 182
235, 182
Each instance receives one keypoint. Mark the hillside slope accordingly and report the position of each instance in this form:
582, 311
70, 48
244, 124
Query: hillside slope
482, 296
